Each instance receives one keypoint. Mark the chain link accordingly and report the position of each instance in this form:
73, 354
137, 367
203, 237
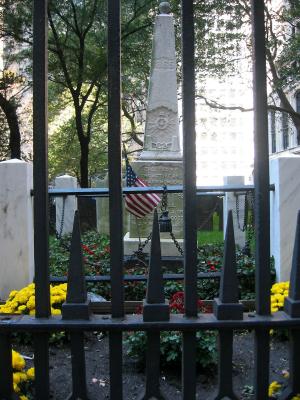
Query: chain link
237, 206
59, 234
177, 245
164, 200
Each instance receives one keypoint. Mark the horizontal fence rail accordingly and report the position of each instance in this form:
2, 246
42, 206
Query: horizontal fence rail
104, 192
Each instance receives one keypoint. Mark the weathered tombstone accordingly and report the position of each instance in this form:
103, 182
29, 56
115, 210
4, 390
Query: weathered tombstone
236, 204
65, 206
284, 206
160, 162
102, 208
16, 221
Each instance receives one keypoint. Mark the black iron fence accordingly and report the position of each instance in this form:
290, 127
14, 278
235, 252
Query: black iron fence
228, 313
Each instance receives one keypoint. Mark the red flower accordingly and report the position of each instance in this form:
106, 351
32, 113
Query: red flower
88, 250
139, 309
212, 268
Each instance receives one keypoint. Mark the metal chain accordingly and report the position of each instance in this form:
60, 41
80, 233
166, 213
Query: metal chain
178, 247
59, 234
164, 200
237, 206
143, 245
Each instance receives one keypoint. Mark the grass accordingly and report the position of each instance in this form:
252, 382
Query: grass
214, 236
207, 237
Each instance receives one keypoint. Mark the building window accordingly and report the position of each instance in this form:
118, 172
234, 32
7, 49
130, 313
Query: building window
285, 130
273, 131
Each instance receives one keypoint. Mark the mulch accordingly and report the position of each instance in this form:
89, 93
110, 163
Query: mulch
97, 365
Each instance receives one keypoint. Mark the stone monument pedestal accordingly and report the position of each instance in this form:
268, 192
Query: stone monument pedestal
168, 247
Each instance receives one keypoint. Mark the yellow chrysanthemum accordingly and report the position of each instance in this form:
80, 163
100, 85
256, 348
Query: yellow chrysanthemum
30, 373
18, 362
274, 388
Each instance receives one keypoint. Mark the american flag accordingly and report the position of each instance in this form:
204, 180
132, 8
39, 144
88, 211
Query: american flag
139, 204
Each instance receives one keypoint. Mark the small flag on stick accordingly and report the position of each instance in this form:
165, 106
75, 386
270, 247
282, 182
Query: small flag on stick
139, 204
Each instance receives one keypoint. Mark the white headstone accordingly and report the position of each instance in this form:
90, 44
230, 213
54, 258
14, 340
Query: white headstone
16, 226
230, 203
284, 206
65, 206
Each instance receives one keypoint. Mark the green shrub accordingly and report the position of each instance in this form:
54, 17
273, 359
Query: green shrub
171, 343
96, 256
171, 348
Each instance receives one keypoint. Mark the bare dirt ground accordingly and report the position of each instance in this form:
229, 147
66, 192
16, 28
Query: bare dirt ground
97, 364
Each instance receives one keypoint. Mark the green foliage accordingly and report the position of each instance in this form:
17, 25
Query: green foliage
4, 138
64, 149
96, 255
96, 259
171, 348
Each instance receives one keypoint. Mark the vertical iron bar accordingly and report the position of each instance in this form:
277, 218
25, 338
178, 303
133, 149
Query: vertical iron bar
6, 378
41, 366
261, 363
155, 309
77, 307
79, 389
115, 193
189, 198
225, 389
189, 365
114, 158
227, 307
189, 159
262, 206
294, 362
40, 165
40, 185
115, 365
153, 367
261, 162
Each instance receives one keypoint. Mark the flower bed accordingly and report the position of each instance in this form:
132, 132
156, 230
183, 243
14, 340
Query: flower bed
23, 301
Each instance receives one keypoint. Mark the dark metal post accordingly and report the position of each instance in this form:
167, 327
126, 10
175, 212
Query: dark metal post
227, 307
115, 193
189, 197
155, 308
6, 372
77, 307
40, 185
262, 206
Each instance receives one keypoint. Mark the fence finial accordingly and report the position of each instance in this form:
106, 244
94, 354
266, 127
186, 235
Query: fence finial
155, 306
227, 306
77, 304
292, 302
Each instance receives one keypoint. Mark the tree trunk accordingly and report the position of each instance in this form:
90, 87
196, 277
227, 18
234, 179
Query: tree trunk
84, 162
10, 111
282, 96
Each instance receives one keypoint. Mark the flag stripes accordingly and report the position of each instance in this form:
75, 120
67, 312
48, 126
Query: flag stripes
139, 204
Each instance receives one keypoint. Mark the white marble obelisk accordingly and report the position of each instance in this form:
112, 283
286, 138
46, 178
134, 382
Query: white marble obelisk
160, 162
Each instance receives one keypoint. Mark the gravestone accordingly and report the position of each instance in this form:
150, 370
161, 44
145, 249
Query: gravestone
16, 221
230, 203
65, 206
160, 162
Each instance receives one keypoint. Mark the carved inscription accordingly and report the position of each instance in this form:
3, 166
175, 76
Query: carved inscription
161, 126
165, 63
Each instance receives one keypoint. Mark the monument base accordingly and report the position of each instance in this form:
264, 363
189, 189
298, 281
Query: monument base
168, 248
